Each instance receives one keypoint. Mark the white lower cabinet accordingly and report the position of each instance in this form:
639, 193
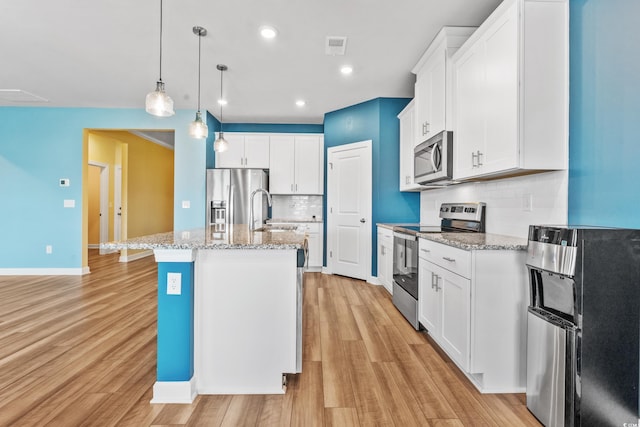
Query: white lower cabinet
385, 258
315, 241
473, 304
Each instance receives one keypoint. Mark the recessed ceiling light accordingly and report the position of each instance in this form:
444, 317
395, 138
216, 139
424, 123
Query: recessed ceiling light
268, 32
346, 70
222, 101
300, 103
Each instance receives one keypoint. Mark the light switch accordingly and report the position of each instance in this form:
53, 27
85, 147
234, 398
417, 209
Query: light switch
174, 283
186, 204
69, 203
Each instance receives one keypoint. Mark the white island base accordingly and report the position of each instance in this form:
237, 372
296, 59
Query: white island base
244, 320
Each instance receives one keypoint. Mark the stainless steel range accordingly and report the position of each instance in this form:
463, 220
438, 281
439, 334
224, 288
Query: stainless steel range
455, 218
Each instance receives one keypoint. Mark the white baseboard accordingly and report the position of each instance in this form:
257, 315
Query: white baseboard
313, 270
44, 271
373, 280
174, 391
325, 270
135, 256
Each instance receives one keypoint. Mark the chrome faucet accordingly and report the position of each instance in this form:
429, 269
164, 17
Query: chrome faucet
251, 220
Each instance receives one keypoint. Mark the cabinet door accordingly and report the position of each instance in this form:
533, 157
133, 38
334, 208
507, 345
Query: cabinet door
422, 95
501, 96
469, 110
437, 105
455, 316
407, 126
282, 159
309, 170
315, 250
429, 299
382, 265
234, 156
388, 268
256, 151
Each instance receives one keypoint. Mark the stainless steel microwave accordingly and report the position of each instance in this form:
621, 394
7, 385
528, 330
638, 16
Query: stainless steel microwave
433, 160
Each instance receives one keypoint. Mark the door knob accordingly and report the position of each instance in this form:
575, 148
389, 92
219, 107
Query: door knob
362, 220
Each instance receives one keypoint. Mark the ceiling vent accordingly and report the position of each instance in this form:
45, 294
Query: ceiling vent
335, 45
17, 95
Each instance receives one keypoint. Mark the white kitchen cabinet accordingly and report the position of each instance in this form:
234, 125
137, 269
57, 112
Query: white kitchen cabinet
385, 258
444, 300
316, 245
249, 151
406, 118
433, 80
510, 92
315, 241
297, 164
474, 304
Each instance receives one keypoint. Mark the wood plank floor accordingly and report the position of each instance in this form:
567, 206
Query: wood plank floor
78, 351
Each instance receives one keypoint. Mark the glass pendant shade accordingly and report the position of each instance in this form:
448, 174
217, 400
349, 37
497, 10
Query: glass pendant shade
158, 103
198, 128
220, 144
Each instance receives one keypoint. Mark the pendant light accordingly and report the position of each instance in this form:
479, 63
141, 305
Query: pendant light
198, 128
221, 144
158, 103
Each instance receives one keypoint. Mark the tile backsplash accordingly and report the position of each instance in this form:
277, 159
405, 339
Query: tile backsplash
512, 203
296, 207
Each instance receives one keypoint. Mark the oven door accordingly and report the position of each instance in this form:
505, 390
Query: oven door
405, 262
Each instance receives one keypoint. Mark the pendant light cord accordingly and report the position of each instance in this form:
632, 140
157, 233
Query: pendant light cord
160, 40
221, 99
199, 66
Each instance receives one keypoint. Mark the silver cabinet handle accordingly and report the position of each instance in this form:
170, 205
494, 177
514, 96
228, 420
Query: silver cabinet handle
473, 160
434, 281
296, 188
479, 162
425, 250
448, 259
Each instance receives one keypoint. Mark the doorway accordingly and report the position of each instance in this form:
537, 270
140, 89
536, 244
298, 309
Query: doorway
349, 211
98, 219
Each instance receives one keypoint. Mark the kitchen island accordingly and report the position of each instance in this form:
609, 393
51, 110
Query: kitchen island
229, 303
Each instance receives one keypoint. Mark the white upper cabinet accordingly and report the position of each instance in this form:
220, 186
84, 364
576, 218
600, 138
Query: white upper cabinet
433, 80
245, 151
407, 142
297, 164
510, 92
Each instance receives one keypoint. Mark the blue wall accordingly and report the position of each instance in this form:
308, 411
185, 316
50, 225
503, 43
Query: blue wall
38, 146
604, 147
376, 120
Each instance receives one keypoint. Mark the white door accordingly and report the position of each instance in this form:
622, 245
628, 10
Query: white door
349, 210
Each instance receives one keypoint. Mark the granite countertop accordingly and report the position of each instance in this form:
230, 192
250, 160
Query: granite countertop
468, 241
477, 241
236, 236
285, 220
392, 226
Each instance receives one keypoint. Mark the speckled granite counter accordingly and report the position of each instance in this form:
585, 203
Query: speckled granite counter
477, 241
294, 221
392, 226
468, 241
234, 237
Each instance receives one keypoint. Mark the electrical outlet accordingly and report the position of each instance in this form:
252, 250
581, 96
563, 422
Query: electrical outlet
69, 203
527, 202
174, 283
48, 249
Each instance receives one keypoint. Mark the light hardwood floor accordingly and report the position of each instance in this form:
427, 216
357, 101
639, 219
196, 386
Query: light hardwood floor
81, 351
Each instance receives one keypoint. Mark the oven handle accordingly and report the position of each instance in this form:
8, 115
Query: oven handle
405, 236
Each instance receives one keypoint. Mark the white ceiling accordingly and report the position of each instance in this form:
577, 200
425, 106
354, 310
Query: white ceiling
105, 53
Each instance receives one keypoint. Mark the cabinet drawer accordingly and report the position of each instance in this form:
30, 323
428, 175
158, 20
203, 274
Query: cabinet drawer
453, 259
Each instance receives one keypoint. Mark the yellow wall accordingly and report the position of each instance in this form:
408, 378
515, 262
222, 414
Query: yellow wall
147, 179
94, 205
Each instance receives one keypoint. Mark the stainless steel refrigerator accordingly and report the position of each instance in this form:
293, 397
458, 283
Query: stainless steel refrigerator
228, 196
